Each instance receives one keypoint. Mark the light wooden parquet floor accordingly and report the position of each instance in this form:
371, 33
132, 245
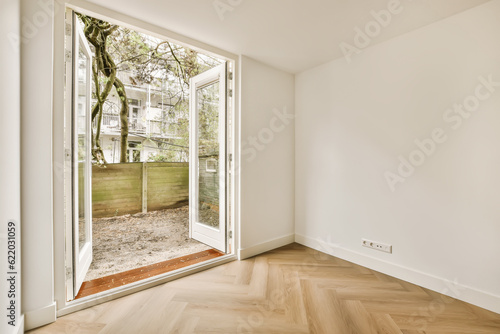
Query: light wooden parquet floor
293, 289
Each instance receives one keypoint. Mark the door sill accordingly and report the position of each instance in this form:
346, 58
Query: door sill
134, 275
117, 292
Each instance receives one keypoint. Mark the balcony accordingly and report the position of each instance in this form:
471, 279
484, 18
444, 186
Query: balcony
154, 128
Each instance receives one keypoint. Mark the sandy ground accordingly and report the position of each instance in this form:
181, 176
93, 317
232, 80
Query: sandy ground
132, 241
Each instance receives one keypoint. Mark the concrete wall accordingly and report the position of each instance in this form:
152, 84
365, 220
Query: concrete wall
400, 101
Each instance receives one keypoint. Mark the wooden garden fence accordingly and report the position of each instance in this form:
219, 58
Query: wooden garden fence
128, 188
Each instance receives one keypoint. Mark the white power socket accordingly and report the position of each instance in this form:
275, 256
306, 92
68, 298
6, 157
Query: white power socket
377, 245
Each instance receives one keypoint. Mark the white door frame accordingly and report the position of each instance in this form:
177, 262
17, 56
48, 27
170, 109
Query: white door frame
63, 280
78, 258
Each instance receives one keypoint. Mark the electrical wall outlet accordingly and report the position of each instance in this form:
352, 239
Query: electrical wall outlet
377, 245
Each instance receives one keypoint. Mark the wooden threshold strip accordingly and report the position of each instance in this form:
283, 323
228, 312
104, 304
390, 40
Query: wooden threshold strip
130, 276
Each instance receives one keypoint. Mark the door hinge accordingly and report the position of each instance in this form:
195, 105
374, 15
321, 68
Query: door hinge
230, 93
230, 75
69, 272
68, 56
230, 234
67, 154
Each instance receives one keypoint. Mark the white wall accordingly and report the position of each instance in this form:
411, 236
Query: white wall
10, 146
36, 129
354, 120
267, 157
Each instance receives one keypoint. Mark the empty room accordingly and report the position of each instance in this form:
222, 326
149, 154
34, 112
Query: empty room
237, 166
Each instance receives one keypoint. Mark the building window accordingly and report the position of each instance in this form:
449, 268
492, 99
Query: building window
134, 151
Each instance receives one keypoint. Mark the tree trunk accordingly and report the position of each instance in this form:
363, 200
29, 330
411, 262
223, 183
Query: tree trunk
120, 89
97, 152
97, 32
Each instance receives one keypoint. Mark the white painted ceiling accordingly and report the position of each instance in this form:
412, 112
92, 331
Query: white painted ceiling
292, 35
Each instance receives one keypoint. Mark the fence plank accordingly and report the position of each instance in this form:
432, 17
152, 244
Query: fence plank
144, 187
129, 188
168, 185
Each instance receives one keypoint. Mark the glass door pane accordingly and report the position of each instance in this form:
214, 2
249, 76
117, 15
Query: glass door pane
81, 129
207, 99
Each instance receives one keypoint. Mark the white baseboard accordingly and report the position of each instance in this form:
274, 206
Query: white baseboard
447, 287
40, 317
245, 253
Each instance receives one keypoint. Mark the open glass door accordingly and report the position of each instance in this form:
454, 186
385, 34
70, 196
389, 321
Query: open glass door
81, 156
207, 163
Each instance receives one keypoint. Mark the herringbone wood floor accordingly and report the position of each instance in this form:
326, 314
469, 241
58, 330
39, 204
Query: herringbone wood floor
289, 290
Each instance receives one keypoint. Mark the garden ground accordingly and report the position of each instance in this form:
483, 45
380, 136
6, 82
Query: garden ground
132, 241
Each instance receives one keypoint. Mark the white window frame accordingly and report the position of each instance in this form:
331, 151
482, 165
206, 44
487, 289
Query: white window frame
64, 306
